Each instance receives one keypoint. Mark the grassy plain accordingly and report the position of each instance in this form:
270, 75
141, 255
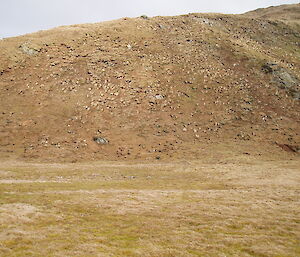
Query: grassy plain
230, 208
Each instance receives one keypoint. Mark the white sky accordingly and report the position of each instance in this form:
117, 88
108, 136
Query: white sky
24, 16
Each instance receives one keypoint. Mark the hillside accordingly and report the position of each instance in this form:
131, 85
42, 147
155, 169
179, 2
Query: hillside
287, 13
190, 86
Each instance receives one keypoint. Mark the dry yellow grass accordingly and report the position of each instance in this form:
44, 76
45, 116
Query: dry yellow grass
248, 208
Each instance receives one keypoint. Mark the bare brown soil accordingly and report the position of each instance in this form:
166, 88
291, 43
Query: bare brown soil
158, 88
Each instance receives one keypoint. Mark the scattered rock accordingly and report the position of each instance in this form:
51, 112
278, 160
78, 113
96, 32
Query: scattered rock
101, 140
283, 78
246, 107
206, 21
269, 67
30, 49
132, 77
243, 136
144, 17
289, 148
159, 97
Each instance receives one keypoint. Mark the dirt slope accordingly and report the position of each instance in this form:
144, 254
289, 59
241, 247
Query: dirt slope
152, 88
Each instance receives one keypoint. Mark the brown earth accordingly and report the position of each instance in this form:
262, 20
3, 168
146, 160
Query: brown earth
191, 86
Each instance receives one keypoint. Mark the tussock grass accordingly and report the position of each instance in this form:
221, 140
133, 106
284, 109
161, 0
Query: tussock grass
181, 209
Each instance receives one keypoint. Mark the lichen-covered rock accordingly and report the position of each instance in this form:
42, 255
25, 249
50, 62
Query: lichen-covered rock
30, 49
283, 78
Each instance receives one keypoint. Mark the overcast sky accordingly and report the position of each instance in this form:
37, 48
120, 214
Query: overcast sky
24, 16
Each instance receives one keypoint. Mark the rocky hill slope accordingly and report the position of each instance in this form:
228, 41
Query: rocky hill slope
152, 88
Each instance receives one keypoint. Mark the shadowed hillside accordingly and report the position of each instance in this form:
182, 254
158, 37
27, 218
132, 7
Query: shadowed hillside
189, 86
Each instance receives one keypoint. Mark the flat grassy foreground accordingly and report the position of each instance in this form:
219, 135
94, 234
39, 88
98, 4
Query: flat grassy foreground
248, 208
